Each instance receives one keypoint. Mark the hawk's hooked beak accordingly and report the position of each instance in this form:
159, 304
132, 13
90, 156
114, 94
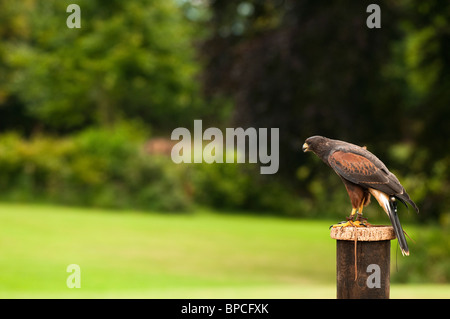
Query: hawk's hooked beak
305, 147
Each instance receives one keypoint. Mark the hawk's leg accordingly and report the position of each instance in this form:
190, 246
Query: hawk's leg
362, 221
360, 209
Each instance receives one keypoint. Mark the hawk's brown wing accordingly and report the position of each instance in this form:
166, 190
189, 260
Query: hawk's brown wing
360, 170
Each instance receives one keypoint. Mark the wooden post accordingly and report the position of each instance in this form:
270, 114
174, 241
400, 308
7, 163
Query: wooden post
369, 276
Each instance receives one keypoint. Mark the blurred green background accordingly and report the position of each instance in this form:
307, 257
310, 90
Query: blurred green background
85, 121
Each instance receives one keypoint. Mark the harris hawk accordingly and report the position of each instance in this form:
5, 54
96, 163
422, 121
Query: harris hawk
363, 175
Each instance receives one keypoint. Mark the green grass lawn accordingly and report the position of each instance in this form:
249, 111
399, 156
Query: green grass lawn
141, 255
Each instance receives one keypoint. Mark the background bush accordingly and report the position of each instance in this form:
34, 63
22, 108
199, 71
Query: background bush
430, 261
110, 168
98, 167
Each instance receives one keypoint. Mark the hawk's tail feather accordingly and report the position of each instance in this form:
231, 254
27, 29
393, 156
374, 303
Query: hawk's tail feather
389, 205
391, 208
404, 198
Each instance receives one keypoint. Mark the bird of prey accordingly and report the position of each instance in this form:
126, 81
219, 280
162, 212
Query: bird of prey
363, 175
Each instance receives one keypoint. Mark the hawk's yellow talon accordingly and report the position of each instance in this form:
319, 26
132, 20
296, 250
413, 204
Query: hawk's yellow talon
350, 223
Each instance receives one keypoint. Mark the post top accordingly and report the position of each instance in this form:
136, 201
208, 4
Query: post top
370, 233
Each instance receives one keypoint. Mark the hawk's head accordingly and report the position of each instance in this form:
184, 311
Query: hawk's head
314, 143
319, 145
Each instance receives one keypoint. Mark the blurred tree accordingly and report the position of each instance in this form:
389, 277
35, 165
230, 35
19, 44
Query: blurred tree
129, 59
423, 64
12, 27
307, 67
312, 67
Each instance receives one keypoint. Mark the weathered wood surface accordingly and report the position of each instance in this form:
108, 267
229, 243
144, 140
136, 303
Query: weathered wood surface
372, 233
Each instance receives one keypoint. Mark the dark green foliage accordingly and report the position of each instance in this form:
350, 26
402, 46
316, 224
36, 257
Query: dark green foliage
241, 187
110, 168
102, 167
